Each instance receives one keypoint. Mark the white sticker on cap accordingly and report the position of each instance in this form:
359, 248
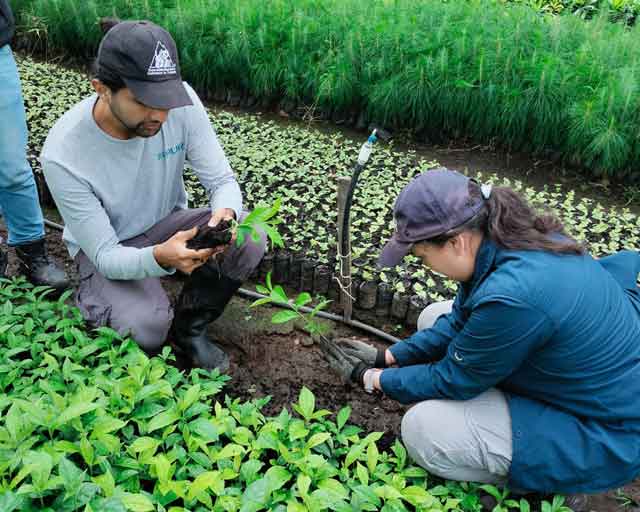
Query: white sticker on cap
162, 63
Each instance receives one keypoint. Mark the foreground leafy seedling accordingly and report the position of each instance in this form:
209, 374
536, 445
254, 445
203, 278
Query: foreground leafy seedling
277, 295
89, 423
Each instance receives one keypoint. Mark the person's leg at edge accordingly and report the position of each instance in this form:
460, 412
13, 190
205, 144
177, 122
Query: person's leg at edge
18, 192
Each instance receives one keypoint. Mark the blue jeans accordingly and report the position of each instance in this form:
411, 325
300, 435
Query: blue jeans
18, 191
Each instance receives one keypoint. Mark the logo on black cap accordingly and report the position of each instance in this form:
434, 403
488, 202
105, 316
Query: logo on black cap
162, 63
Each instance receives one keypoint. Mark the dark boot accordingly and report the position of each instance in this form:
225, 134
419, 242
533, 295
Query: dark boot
4, 260
203, 299
38, 268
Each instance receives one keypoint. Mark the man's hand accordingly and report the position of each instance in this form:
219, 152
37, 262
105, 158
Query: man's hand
174, 253
368, 354
218, 216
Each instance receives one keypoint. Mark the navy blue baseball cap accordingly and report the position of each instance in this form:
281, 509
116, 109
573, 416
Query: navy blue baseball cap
145, 57
433, 203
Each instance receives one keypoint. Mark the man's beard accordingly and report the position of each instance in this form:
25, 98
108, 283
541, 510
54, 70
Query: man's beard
146, 131
139, 130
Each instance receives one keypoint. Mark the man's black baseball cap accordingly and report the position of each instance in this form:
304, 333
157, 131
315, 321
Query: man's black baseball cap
145, 57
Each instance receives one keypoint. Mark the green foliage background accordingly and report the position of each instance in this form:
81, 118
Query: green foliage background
301, 166
478, 69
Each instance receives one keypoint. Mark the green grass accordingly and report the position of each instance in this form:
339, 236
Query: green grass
473, 68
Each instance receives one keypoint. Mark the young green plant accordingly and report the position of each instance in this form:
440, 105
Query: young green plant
263, 218
296, 307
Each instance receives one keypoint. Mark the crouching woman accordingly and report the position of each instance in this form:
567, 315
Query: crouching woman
531, 376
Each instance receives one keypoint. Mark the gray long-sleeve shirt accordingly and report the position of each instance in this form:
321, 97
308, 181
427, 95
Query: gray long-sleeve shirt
108, 190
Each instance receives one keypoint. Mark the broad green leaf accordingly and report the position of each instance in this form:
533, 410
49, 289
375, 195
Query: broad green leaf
302, 299
354, 453
229, 451
277, 476
249, 470
273, 235
71, 475
418, 496
343, 416
256, 496
401, 454
362, 474
414, 472
387, 492
138, 503
10, 501
261, 302
204, 429
82, 403
317, 439
113, 504
86, 450
304, 483
284, 316
42, 464
295, 506
372, 457
106, 483
330, 493
163, 419
205, 481
105, 425
163, 467
306, 403
297, 430
144, 444
279, 296
161, 388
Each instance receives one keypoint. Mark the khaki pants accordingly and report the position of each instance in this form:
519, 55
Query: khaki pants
141, 308
466, 440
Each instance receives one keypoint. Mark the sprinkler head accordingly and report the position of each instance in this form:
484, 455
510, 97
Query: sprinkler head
380, 133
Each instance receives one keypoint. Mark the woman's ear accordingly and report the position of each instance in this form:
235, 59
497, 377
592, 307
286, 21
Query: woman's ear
461, 243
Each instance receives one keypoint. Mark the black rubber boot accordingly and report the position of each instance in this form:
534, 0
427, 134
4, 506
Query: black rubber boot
203, 299
4, 261
38, 268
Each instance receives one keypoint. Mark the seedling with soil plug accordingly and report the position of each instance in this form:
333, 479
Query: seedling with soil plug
261, 218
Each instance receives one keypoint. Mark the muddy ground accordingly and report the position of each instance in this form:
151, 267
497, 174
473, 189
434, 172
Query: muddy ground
277, 361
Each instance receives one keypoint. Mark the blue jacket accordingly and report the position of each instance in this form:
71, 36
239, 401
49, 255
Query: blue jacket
560, 335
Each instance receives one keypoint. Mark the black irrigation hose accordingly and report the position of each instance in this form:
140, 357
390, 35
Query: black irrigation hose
322, 314
363, 158
347, 208
329, 316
